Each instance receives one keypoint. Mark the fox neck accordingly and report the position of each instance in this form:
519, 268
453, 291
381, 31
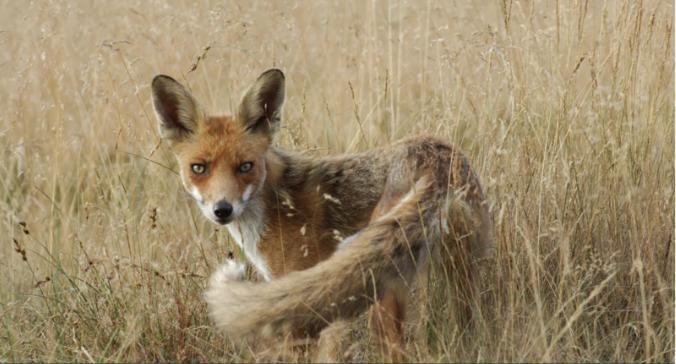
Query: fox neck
246, 231
248, 228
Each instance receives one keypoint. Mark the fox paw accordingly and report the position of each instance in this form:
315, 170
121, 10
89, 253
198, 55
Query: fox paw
231, 270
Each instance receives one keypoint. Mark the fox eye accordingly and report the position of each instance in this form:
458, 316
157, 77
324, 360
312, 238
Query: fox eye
245, 167
198, 168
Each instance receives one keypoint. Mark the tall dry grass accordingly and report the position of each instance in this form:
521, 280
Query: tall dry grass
565, 107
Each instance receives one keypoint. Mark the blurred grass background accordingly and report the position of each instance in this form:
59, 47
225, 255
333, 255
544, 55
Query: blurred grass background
566, 109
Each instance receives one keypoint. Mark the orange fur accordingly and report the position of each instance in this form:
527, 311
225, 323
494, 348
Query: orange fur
292, 215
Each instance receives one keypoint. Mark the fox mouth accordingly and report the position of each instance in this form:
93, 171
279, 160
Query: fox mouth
223, 221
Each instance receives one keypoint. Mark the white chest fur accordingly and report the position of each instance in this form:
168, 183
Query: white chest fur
246, 231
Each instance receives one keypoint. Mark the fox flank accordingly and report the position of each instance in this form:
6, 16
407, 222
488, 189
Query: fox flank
329, 237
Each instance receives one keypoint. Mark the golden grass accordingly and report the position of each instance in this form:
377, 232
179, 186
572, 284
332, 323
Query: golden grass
565, 107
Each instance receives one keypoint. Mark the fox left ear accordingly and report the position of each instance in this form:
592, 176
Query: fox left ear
261, 107
178, 113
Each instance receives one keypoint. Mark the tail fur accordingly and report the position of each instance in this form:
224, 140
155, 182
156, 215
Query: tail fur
340, 287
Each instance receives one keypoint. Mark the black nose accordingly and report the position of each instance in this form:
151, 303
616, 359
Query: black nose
222, 210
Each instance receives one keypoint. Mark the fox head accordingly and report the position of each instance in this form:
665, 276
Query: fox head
221, 158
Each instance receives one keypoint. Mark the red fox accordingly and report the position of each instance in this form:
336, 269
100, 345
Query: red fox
329, 237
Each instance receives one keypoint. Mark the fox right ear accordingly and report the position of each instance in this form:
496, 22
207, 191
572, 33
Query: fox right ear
178, 113
261, 107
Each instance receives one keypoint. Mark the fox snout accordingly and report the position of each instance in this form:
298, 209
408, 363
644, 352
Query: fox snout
223, 209
223, 212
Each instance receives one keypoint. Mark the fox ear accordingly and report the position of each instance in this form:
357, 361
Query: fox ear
178, 113
261, 107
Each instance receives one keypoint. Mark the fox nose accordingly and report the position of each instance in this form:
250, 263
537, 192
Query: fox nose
223, 210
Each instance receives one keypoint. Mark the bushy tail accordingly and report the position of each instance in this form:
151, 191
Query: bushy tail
342, 286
